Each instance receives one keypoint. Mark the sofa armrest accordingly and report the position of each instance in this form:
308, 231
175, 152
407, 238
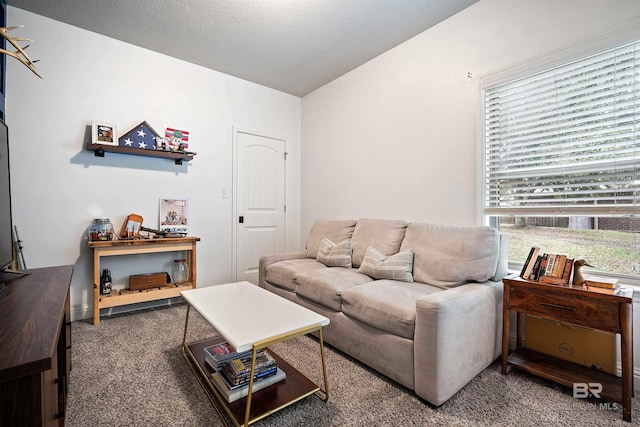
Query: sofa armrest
457, 335
266, 260
503, 259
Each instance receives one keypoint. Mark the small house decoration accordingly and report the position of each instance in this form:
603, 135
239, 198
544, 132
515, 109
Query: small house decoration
142, 136
178, 140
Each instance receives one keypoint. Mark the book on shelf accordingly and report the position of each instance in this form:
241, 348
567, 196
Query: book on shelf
529, 262
220, 353
542, 267
561, 275
551, 260
242, 365
240, 381
601, 282
535, 270
558, 268
568, 269
552, 280
238, 392
237, 371
548, 268
618, 290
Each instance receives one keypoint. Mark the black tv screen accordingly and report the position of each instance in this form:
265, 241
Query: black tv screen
6, 230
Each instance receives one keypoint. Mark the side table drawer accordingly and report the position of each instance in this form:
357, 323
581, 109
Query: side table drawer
566, 308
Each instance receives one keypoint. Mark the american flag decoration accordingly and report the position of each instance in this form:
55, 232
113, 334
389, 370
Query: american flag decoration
176, 138
142, 136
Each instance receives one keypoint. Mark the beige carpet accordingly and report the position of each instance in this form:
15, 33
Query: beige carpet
129, 371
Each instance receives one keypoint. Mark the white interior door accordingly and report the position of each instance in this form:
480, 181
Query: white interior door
259, 208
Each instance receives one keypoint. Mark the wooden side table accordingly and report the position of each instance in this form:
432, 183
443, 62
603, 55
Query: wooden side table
583, 307
134, 247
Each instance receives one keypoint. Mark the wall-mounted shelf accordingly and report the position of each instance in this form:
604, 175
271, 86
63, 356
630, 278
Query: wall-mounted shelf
100, 149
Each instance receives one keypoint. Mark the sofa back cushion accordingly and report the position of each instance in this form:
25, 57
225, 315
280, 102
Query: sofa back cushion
334, 230
448, 256
384, 235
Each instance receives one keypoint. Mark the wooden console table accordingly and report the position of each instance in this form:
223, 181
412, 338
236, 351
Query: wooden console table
140, 246
35, 348
591, 309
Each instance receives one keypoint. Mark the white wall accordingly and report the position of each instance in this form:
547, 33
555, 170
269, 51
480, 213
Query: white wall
398, 136
58, 187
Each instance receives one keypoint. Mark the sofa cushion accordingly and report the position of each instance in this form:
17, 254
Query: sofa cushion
325, 286
335, 254
379, 266
388, 305
451, 255
335, 230
383, 234
281, 273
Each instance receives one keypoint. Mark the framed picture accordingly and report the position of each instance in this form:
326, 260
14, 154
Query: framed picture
174, 216
178, 140
104, 133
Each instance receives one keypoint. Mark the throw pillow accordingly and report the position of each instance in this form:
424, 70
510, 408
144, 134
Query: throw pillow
395, 267
334, 254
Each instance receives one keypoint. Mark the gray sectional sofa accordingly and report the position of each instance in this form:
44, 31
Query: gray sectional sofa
420, 303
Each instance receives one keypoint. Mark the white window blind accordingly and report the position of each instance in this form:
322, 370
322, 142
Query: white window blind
565, 141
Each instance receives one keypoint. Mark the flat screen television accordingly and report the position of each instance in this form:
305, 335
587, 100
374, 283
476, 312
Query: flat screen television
6, 224
6, 227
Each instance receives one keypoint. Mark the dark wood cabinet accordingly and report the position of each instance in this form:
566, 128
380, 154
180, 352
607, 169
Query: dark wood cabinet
35, 348
571, 304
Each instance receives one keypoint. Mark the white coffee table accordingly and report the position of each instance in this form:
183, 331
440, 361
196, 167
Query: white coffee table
252, 318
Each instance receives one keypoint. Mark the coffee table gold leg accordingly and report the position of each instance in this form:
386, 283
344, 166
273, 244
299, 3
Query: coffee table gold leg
247, 411
191, 362
324, 368
186, 323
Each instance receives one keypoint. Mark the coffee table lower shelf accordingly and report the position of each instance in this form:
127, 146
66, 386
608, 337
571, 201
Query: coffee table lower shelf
293, 388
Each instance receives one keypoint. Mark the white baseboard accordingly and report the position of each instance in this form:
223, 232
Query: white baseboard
85, 311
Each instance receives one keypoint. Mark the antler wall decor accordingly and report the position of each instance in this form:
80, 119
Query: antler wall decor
20, 53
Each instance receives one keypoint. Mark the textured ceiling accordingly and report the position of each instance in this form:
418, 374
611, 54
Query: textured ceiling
294, 46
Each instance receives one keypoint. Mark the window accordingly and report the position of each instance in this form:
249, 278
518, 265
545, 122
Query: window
561, 160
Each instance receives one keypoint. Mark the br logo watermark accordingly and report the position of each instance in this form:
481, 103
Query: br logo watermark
584, 390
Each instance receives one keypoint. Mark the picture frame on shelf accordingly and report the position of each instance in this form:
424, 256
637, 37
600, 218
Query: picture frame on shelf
177, 140
162, 144
104, 133
174, 216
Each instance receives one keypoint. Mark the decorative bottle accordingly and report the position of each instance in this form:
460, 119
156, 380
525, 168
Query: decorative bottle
180, 271
105, 282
